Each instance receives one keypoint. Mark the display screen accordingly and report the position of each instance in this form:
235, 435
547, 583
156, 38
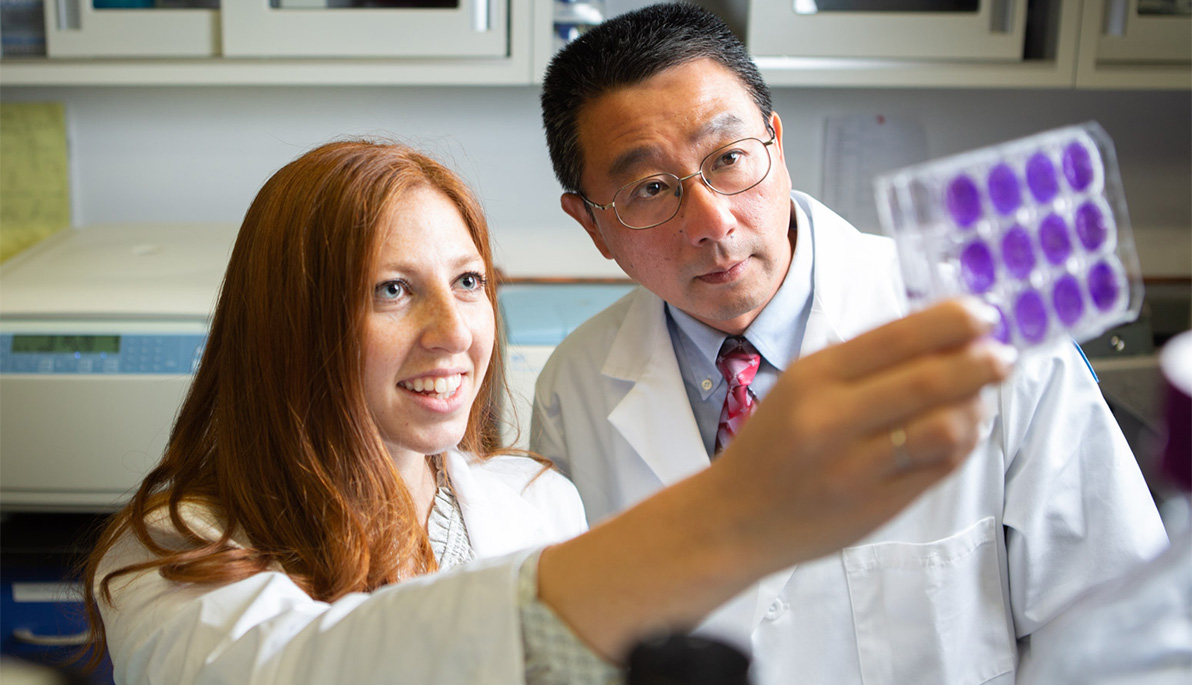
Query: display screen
813, 6
49, 344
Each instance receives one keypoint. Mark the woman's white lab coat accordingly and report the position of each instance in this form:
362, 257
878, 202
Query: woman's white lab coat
460, 626
1050, 504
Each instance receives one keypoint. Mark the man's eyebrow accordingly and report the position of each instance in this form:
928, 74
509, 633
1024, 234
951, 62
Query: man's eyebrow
629, 160
717, 126
726, 123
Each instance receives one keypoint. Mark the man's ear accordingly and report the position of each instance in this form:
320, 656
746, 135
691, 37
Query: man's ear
575, 207
776, 124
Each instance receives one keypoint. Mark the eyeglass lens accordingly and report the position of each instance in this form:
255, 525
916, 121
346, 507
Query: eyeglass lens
732, 169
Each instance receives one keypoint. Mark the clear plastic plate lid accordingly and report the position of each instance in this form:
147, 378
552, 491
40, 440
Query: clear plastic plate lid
1037, 227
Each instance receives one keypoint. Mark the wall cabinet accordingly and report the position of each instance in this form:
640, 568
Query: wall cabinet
281, 28
970, 43
822, 43
893, 29
1135, 44
427, 29
280, 42
83, 28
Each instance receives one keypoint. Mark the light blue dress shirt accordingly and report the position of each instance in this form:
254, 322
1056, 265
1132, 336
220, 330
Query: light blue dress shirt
777, 334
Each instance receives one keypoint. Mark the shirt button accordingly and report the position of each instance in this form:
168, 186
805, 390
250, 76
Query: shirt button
777, 609
707, 384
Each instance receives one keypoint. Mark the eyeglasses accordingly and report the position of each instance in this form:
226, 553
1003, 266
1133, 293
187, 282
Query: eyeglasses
729, 170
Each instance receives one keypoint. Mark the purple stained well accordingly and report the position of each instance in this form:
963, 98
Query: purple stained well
1078, 166
1031, 314
976, 267
1017, 254
1066, 300
1001, 331
1053, 238
1040, 177
963, 200
1004, 191
1090, 226
1104, 287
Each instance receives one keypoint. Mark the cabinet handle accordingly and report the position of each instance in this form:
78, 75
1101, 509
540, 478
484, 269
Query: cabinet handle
1116, 13
481, 16
29, 637
67, 12
1001, 16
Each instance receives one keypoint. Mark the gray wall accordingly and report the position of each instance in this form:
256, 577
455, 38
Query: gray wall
200, 154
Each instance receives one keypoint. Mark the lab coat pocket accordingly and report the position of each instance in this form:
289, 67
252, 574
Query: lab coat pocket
930, 612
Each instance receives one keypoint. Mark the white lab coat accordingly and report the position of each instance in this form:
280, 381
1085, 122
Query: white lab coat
1050, 504
1136, 630
459, 626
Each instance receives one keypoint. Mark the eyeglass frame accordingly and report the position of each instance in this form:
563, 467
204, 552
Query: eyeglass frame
698, 172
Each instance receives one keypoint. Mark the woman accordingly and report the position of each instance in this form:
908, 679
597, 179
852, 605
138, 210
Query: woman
337, 448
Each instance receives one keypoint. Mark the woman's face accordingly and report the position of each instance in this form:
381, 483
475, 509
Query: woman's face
429, 333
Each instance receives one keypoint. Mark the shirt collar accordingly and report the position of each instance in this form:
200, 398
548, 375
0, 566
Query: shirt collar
771, 331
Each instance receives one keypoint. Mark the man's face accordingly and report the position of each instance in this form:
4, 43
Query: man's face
722, 257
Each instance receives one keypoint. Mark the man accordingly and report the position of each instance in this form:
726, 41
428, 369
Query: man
662, 134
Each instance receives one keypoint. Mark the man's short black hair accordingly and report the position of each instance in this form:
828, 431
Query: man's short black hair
625, 51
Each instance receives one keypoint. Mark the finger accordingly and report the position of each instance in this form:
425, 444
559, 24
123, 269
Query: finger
899, 395
937, 451
855, 503
936, 445
944, 436
943, 326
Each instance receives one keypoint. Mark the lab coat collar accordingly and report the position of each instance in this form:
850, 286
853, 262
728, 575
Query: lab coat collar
655, 416
498, 519
846, 299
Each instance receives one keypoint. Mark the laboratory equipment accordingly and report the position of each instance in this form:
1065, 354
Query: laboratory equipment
1036, 227
1176, 365
537, 316
100, 331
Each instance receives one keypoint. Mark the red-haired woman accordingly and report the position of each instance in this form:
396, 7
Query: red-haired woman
339, 446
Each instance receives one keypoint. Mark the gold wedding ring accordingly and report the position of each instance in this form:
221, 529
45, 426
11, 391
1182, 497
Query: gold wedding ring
902, 458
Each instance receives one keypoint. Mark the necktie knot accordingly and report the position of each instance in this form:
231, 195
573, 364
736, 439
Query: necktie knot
738, 361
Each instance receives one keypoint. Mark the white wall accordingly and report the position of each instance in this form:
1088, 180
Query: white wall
183, 154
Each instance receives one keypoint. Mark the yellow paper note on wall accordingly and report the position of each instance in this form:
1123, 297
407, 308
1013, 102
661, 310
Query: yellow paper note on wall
34, 174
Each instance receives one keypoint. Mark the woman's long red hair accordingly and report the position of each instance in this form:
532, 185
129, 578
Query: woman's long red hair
275, 434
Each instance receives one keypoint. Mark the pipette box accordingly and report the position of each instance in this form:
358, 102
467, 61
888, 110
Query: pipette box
1036, 226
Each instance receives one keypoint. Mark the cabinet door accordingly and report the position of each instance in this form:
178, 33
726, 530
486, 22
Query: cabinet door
114, 28
366, 28
1144, 31
897, 29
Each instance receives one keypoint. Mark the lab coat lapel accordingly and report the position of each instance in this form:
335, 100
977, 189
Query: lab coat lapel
655, 416
499, 520
851, 293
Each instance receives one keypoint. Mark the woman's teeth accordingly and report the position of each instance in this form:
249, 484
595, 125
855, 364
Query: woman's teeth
441, 387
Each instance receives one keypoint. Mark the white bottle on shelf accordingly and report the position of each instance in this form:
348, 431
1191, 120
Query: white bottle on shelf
573, 17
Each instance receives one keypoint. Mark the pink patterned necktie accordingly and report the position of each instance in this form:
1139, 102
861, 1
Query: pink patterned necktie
738, 361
